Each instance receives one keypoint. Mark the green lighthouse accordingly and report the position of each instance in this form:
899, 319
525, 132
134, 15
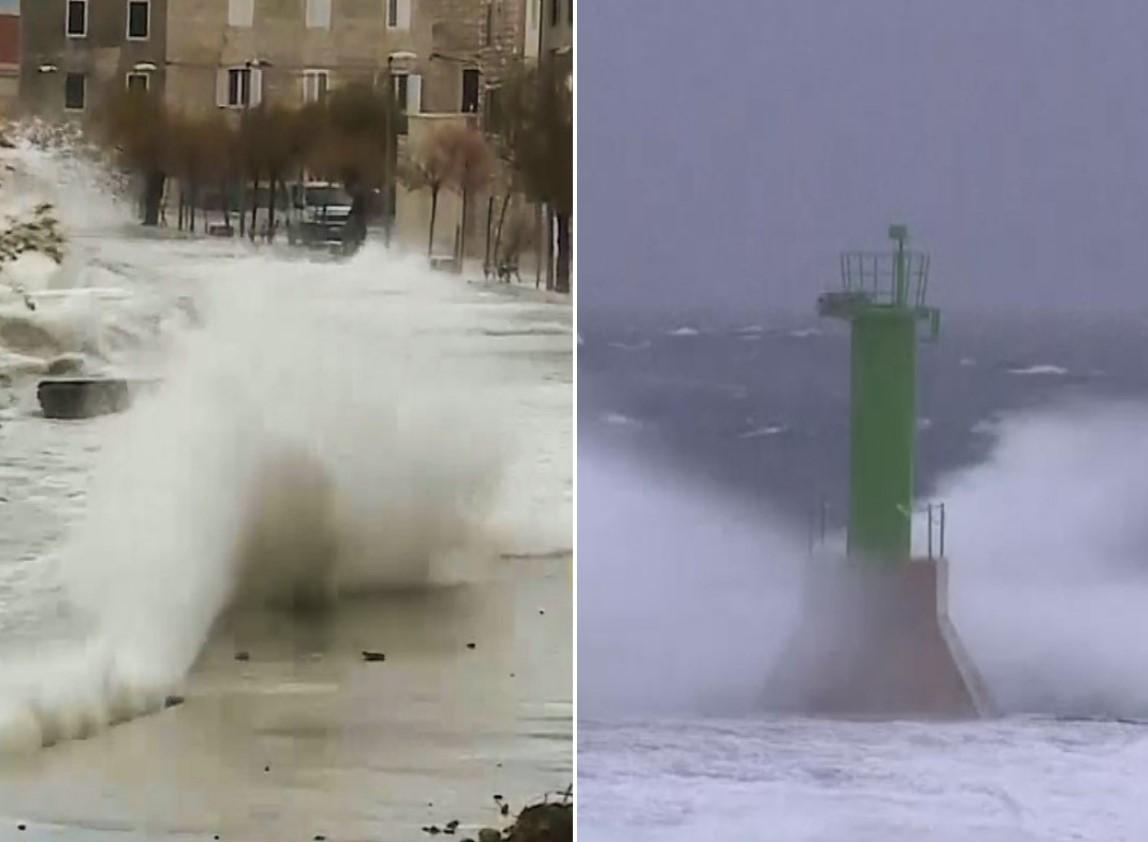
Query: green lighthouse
883, 298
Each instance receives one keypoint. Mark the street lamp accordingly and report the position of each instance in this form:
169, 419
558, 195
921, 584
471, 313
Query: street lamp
251, 64
392, 150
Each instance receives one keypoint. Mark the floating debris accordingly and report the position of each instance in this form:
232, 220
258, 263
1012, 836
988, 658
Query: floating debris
243, 656
373, 656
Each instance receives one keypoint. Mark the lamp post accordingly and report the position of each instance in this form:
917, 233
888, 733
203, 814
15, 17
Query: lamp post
248, 79
392, 141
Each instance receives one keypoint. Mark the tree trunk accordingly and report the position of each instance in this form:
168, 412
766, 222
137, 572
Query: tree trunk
242, 207
194, 203
433, 214
153, 194
462, 234
564, 240
549, 248
225, 205
498, 229
271, 210
489, 233
254, 204
537, 246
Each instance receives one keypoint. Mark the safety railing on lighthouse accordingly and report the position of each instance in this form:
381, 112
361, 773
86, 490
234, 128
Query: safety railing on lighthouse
931, 516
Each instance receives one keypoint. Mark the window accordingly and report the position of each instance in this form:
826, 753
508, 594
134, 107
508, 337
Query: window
398, 14
555, 12
470, 80
138, 81
240, 12
318, 14
139, 19
400, 83
75, 91
489, 24
239, 86
76, 24
315, 84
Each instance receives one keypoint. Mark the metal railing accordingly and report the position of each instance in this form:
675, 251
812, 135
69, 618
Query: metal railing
934, 515
874, 274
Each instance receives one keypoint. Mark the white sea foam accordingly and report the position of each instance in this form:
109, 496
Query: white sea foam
1039, 370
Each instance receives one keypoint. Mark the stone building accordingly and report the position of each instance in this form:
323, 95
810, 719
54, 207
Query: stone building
75, 51
444, 59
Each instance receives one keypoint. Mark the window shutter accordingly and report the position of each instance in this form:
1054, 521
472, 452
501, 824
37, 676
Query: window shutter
414, 94
318, 14
257, 86
240, 12
404, 14
222, 83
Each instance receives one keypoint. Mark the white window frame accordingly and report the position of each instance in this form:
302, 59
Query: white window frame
397, 75
142, 74
311, 15
402, 17
68, 18
235, 19
239, 103
84, 90
128, 23
315, 73
254, 87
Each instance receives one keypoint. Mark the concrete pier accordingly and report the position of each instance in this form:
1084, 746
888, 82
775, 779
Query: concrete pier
877, 642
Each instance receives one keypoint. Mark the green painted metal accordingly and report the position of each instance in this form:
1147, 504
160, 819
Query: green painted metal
884, 300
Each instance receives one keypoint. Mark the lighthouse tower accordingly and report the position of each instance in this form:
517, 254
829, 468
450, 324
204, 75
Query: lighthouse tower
883, 299
875, 638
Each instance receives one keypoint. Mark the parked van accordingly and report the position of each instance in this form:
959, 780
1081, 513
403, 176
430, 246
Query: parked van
322, 210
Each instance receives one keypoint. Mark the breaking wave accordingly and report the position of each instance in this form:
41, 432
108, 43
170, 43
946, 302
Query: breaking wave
322, 431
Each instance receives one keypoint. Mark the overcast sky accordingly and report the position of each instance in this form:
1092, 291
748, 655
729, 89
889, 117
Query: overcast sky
9, 5
729, 150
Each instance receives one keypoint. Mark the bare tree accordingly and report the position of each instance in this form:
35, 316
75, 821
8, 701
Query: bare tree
351, 146
469, 168
430, 168
136, 124
536, 130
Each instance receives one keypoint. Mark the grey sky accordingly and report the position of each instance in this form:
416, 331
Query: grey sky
728, 150
9, 5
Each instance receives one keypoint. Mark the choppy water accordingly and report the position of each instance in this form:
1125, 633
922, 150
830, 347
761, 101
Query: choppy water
705, 445
417, 427
808, 781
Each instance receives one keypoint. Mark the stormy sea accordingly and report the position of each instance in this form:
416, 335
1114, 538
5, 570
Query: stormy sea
714, 454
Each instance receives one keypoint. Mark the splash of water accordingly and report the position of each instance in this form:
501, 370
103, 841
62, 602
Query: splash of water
686, 596
331, 429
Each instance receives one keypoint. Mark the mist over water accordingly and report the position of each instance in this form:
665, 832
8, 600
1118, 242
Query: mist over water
1049, 567
688, 593
685, 594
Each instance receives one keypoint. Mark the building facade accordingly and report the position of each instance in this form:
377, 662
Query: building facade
77, 51
444, 60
